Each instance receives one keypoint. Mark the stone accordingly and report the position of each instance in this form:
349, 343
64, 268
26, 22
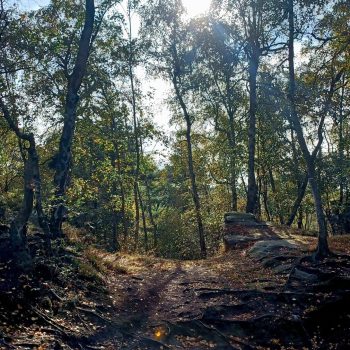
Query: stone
236, 241
263, 249
236, 217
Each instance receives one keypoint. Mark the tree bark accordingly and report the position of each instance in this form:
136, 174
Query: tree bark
136, 130
273, 188
232, 143
31, 191
252, 195
322, 247
144, 222
298, 200
62, 161
115, 243
192, 174
121, 187
341, 146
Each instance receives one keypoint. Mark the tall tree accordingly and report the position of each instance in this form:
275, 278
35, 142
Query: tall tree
322, 248
11, 63
175, 59
258, 25
62, 161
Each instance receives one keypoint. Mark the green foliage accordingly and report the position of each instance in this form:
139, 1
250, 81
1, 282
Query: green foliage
113, 148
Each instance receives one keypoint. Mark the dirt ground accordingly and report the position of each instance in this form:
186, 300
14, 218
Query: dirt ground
229, 301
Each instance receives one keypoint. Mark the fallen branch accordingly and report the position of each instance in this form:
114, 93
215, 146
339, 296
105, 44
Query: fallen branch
52, 322
93, 312
222, 336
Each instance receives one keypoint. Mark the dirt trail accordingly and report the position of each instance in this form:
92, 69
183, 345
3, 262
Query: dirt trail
162, 294
226, 302
235, 300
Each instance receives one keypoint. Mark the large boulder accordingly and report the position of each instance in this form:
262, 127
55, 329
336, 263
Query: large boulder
238, 241
239, 217
242, 219
277, 254
271, 248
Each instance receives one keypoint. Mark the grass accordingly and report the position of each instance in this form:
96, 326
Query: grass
89, 272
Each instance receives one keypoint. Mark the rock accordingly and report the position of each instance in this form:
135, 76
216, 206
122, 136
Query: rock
236, 217
236, 241
242, 219
269, 248
305, 276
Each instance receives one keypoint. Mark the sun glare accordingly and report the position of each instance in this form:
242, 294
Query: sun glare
196, 7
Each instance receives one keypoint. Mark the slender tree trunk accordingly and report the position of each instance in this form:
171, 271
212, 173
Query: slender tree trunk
144, 223
252, 195
298, 200
115, 243
300, 217
42, 218
341, 146
274, 191
322, 248
121, 185
136, 130
62, 161
18, 227
265, 197
150, 212
194, 189
232, 143
32, 190
192, 174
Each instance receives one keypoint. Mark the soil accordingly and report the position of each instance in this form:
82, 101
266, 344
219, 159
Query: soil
230, 301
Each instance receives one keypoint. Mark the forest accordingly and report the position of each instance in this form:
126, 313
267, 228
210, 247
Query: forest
174, 174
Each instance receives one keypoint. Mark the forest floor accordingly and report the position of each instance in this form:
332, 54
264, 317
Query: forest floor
230, 301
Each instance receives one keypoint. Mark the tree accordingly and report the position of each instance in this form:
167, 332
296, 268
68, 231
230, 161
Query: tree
175, 60
62, 161
322, 248
11, 64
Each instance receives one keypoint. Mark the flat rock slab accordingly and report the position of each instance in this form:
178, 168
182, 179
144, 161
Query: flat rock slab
237, 241
270, 248
242, 219
276, 254
236, 217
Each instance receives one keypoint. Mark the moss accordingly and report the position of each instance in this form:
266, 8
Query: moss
89, 272
115, 267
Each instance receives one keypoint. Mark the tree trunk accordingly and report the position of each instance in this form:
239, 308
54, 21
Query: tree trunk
232, 143
32, 189
298, 200
62, 161
322, 248
150, 212
192, 174
265, 197
300, 218
252, 195
18, 227
341, 146
144, 223
194, 189
115, 243
136, 129
121, 186
274, 191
